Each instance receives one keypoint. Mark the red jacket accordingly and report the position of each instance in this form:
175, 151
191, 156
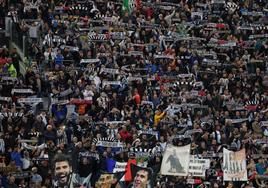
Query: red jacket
124, 135
4, 60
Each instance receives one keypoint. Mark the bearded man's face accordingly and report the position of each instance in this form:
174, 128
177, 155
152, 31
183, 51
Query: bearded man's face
63, 172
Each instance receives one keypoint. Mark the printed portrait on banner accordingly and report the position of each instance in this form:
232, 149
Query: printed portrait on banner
176, 161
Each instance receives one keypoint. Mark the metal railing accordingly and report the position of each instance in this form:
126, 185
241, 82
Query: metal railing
17, 39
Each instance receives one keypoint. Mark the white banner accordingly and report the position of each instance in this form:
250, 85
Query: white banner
234, 121
163, 57
87, 61
176, 161
134, 78
30, 100
109, 144
7, 99
21, 91
182, 125
27, 141
104, 83
115, 122
60, 102
185, 75
198, 167
229, 44
110, 71
8, 78
88, 154
147, 102
181, 137
234, 165
71, 48
136, 53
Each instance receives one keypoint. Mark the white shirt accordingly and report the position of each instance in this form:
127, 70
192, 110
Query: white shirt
25, 163
46, 54
88, 94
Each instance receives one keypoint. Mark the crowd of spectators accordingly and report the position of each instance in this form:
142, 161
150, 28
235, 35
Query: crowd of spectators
97, 69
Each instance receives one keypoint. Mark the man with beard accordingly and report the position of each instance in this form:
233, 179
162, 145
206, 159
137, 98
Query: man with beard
64, 176
62, 172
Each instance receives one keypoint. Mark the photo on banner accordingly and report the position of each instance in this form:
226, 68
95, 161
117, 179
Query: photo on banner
141, 177
234, 165
109, 180
176, 161
63, 175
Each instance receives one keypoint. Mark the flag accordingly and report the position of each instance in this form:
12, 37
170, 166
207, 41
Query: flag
116, 167
234, 165
125, 6
176, 161
130, 5
110, 163
120, 167
128, 176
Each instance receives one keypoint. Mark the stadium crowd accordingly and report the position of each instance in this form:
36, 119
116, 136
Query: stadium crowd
140, 74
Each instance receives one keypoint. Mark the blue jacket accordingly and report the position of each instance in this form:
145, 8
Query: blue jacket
59, 59
16, 156
59, 114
